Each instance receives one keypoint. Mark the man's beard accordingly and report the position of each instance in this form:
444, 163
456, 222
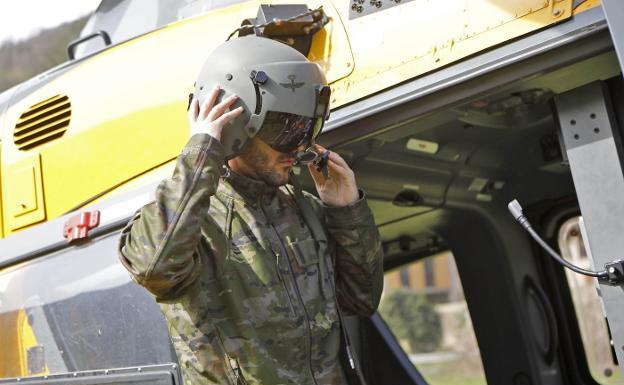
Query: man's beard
259, 161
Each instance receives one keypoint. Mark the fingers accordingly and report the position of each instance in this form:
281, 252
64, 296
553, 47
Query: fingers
336, 171
209, 102
317, 176
334, 157
221, 108
336, 164
319, 149
229, 116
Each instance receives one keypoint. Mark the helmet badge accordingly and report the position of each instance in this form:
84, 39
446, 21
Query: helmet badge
292, 85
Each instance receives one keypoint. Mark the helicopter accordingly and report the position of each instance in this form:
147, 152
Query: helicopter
446, 112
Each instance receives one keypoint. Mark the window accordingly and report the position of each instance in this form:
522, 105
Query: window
77, 310
424, 306
592, 323
126, 19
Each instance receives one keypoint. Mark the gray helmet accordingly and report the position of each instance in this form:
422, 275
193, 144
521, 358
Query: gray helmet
285, 97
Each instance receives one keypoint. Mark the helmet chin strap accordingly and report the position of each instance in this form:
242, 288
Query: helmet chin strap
254, 124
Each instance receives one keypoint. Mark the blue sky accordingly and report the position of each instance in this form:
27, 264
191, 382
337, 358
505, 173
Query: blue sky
20, 19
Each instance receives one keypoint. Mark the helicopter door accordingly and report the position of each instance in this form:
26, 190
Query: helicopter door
588, 118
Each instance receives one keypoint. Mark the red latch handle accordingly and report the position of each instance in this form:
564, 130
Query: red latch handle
78, 226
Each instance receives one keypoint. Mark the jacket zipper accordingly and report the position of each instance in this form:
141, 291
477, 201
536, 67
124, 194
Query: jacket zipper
355, 365
299, 297
305, 311
330, 273
228, 360
281, 279
240, 380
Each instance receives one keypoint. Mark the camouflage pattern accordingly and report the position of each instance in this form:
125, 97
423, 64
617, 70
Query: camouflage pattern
244, 286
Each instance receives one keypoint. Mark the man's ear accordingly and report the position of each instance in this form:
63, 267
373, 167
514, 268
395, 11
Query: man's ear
237, 164
249, 144
233, 164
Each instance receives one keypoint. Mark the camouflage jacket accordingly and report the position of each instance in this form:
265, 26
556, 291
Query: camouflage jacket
247, 291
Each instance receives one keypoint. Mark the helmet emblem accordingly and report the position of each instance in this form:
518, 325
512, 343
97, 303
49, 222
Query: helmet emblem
292, 85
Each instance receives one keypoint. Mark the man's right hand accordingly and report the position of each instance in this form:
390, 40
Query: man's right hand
210, 119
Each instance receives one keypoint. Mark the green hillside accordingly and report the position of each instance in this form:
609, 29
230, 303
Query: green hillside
24, 59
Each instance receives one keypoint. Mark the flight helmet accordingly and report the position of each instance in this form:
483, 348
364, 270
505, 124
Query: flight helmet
285, 97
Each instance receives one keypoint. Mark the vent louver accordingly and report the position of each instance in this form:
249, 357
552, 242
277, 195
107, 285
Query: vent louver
42, 122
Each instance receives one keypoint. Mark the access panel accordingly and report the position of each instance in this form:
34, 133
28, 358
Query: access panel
22, 193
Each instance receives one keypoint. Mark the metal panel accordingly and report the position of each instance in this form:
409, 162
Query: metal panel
583, 25
23, 196
359, 8
397, 43
614, 12
593, 146
153, 375
48, 237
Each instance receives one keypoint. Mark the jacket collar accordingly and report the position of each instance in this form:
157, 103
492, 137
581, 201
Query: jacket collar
251, 190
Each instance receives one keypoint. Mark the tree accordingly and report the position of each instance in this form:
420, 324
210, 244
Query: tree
412, 317
21, 60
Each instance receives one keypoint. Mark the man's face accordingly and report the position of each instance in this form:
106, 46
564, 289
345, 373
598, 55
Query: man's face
261, 162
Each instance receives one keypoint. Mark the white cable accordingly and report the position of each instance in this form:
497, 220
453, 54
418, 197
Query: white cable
516, 210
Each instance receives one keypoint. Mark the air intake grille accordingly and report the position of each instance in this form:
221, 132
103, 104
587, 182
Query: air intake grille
43, 122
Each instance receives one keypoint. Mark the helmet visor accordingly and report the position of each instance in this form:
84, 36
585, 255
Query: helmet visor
285, 132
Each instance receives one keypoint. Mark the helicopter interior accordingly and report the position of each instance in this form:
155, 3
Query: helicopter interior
442, 181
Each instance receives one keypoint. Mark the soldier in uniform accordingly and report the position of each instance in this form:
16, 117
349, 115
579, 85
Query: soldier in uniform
252, 274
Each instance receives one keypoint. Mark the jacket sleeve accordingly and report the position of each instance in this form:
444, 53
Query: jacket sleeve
358, 254
158, 246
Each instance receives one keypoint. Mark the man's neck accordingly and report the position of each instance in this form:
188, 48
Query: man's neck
240, 167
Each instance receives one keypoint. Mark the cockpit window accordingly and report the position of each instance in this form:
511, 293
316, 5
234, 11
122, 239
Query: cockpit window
125, 19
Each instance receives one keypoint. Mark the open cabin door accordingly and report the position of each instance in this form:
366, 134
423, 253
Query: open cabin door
591, 126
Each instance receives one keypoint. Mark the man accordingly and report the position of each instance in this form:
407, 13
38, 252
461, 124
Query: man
251, 274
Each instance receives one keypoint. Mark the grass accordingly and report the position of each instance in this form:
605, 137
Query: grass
448, 373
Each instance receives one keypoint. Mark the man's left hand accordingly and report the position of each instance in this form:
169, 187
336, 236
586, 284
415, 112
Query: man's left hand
340, 188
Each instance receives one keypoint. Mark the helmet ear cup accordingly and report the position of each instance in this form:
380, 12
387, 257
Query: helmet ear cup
234, 137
